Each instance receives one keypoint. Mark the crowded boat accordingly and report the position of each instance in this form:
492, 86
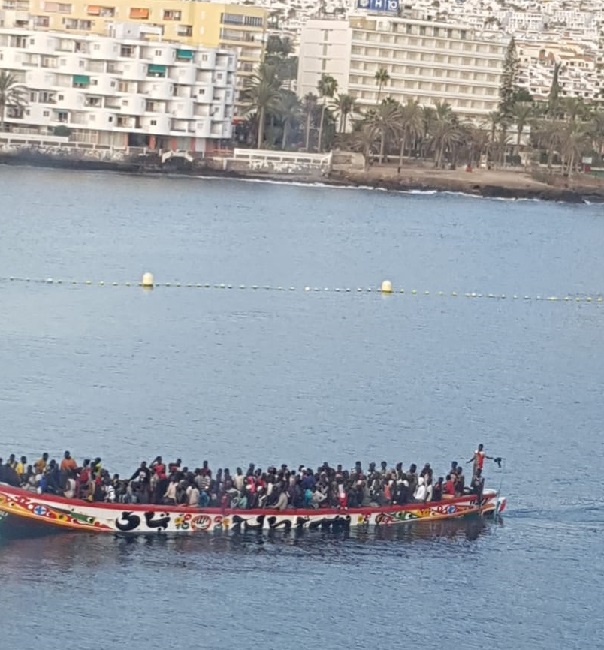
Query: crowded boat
277, 487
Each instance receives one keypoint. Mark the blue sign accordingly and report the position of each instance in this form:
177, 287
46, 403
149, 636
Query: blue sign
378, 5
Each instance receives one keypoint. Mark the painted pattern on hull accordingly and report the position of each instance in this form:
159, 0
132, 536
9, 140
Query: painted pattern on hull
145, 519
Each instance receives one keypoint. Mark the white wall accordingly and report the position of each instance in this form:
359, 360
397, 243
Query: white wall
324, 49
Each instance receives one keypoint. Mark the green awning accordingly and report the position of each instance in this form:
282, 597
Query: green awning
184, 54
157, 69
81, 79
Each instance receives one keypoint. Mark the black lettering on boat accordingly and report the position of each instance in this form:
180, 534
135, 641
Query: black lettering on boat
251, 523
131, 522
274, 523
161, 522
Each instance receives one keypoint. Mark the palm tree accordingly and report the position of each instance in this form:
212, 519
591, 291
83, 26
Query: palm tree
493, 122
476, 140
290, 110
574, 142
12, 93
263, 96
381, 78
411, 126
523, 112
596, 131
345, 105
573, 108
547, 136
445, 132
327, 88
386, 120
363, 140
309, 106
428, 117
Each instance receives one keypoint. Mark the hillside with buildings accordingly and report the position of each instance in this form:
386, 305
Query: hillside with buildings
202, 77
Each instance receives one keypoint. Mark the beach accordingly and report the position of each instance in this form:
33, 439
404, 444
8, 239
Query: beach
481, 182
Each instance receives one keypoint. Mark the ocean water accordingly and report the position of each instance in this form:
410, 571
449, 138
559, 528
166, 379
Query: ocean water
235, 375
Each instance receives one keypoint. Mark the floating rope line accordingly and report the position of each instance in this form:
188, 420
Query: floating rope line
413, 293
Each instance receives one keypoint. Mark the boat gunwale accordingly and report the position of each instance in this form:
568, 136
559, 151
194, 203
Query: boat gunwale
301, 512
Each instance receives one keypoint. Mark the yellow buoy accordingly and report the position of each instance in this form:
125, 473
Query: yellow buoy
386, 286
147, 281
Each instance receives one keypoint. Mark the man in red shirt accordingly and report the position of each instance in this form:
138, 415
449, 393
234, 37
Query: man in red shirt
478, 459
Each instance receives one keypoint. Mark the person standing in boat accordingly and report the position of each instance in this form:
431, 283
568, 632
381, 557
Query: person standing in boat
478, 459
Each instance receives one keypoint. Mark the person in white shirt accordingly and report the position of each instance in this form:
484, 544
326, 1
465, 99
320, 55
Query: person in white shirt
170, 495
193, 496
420, 492
70, 488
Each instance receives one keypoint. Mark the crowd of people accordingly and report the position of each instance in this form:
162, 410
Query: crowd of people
276, 487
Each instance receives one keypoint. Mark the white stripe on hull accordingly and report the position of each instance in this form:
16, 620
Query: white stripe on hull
146, 519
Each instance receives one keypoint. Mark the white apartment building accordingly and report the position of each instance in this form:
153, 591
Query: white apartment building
426, 61
120, 90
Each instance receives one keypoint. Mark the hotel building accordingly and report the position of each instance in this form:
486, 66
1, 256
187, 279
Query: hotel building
121, 90
426, 61
207, 24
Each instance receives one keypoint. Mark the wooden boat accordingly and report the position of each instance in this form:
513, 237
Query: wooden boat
28, 509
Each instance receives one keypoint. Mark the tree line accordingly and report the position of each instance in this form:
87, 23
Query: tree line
559, 132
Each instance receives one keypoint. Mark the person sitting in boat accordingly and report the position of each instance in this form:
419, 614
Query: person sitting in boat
449, 487
477, 485
421, 495
68, 464
40, 464
460, 481
437, 490
282, 501
192, 495
8, 474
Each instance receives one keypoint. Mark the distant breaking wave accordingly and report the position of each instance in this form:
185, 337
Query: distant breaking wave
333, 186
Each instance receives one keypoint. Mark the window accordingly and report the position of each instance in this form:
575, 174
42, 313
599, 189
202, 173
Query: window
170, 14
232, 19
139, 13
61, 98
46, 113
153, 123
158, 52
124, 102
184, 30
253, 21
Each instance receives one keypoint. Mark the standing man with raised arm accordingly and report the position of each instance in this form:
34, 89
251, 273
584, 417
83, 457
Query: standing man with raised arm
478, 459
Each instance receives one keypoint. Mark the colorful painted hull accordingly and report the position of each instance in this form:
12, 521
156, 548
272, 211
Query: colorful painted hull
66, 514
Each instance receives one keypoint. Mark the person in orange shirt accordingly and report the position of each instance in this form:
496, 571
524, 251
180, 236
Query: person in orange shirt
40, 464
68, 464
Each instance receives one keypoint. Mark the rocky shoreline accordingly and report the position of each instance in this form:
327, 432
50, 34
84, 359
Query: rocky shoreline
502, 184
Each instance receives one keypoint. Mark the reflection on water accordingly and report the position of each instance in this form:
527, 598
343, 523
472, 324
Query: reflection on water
61, 551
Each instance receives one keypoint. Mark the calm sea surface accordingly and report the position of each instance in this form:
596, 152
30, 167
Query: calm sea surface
239, 375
